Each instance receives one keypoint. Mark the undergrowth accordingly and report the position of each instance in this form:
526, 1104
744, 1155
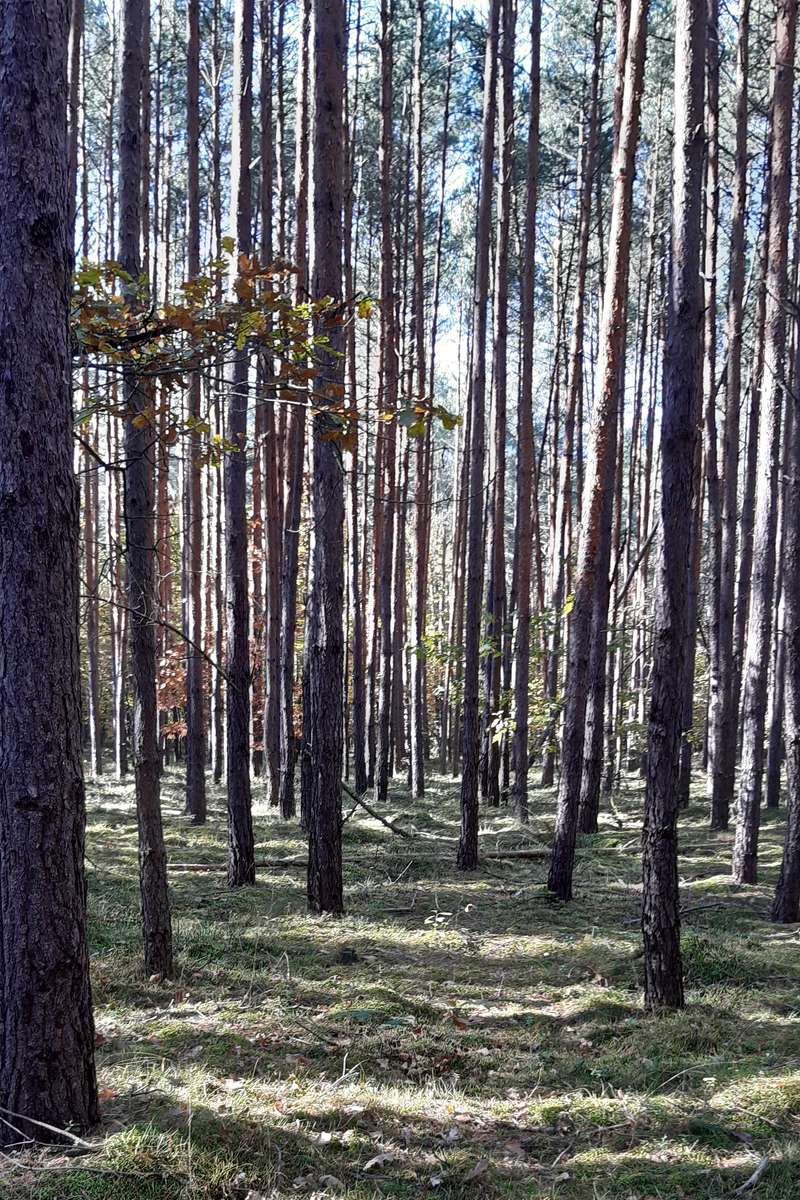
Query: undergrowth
453, 1035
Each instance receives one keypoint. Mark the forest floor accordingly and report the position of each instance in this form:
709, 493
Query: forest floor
453, 1035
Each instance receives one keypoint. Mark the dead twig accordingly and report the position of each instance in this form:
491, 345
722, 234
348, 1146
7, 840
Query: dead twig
754, 1178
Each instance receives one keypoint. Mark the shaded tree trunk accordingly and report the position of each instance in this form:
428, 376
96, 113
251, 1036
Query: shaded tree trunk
681, 411
295, 445
525, 447
195, 692
47, 1047
322, 718
140, 532
241, 856
722, 714
388, 403
745, 847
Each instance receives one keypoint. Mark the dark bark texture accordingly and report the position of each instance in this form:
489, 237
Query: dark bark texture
754, 702
323, 715
241, 854
681, 408
140, 453
47, 1048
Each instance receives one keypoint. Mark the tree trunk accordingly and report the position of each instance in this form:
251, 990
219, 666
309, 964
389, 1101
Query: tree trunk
295, 445
140, 533
422, 443
786, 902
745, 847
723, 715
592, 577
388, 403
322, 721
47, 1048
195, 692
496, 598
468, 844
681, 411
241, 856
525, 448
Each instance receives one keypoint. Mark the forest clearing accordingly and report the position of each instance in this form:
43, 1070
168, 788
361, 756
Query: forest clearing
452, 1035
399, 599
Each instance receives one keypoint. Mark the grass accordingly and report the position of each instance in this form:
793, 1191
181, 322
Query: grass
453, 1035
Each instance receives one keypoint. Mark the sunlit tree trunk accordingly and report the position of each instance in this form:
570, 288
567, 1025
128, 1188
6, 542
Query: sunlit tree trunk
592, 575
468, 845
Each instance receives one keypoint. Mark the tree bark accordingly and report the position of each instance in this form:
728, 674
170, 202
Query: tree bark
295, 444
592, 576
241, 855
322, 722
525, 447
681, 411
722, 714
140, 532
195, 697
467, 858
745, 847
388, 403
47, 1047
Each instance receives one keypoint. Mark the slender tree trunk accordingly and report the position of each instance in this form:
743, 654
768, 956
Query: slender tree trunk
359, 692
388, 404
195, 692
241, 855
496, 586
422, 444
468, 844
723, 715
140, 532
273, 444
322, 721
592, 577
786, 902
47, 1046
525, 448
295, 444
745, 848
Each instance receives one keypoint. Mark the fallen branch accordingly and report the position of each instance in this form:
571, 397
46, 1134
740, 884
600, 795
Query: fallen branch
260, 866
754, 1178
533, 854
361, 802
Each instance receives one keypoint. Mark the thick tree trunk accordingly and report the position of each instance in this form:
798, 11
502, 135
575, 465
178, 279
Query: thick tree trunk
241, 857
47, 1047
745, 847
322, 719
681, 410
592, 577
